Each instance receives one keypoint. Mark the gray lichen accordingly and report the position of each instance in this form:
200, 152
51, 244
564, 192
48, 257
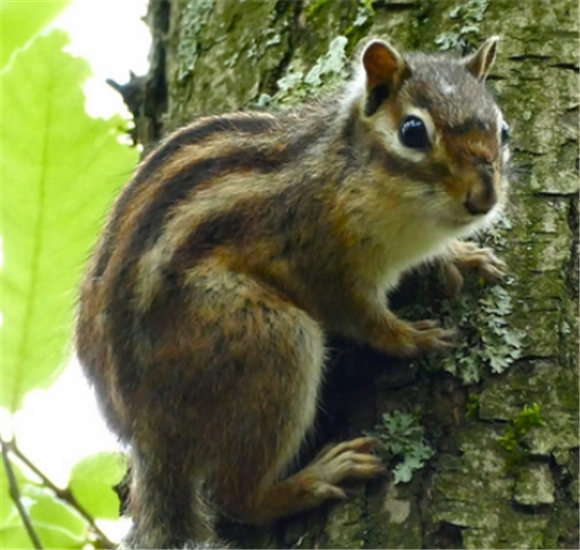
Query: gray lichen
330, 69
400, 435
489, 337
535, 486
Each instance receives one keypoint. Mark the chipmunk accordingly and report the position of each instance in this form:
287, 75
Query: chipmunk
241, 242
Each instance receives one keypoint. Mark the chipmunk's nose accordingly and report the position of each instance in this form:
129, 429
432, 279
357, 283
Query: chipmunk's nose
482, 195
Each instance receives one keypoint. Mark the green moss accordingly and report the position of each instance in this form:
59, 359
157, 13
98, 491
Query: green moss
472, 406
314, 8
468, 17
345, 526
361, 25
513, 442
527, 419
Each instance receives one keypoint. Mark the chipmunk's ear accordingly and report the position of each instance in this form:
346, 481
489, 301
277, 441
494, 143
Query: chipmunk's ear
480, 62
385, 68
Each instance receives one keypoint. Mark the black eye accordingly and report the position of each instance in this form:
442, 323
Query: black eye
505, 133
413, 133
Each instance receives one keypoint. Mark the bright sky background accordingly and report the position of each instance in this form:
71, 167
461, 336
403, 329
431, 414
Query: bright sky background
58, 427
111, 35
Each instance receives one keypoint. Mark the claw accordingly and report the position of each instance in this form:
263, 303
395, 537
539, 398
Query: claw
468, 255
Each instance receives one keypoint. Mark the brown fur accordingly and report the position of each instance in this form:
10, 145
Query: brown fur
243, 240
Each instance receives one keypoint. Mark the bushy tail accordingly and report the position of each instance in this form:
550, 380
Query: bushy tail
167, 506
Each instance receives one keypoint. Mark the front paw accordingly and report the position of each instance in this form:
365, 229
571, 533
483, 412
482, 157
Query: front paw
411, 339
468, 255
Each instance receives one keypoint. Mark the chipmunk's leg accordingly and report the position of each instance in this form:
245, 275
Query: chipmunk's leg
469, 255
385, 331
313, 485
371, 321
253, 386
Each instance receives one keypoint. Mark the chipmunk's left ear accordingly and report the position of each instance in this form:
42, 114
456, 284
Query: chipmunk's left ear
480, 62
385, 69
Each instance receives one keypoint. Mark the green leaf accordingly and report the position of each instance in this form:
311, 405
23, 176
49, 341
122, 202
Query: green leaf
92, 481
60, 170
52, 536
49, 512
56, 524
13, 534
21, 20
14, 537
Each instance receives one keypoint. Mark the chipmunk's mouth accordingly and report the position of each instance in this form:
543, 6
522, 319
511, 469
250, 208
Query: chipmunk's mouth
460, 222
463, 219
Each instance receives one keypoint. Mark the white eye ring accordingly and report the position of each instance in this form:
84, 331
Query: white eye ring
504, 133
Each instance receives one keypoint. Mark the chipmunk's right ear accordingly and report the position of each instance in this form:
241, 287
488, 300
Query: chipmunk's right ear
480, 62
385, 68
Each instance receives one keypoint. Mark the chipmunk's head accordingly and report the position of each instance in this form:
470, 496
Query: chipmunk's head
434, 125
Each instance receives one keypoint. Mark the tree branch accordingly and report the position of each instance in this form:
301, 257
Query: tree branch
64, 495
14, 491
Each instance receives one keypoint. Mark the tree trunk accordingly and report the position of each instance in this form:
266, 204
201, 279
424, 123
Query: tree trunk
497, 479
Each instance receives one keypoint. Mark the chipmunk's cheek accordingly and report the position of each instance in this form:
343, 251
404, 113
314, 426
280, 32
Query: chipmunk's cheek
456, 189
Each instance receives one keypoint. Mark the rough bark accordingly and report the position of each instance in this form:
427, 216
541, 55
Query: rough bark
211, 56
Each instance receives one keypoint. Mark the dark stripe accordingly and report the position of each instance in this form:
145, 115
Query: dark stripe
375, 98
165, 151
124, 323
425, 102
197, 134
275, 214
150, 223
248, 221
223, 227
468, 125
348, 137
176, 189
